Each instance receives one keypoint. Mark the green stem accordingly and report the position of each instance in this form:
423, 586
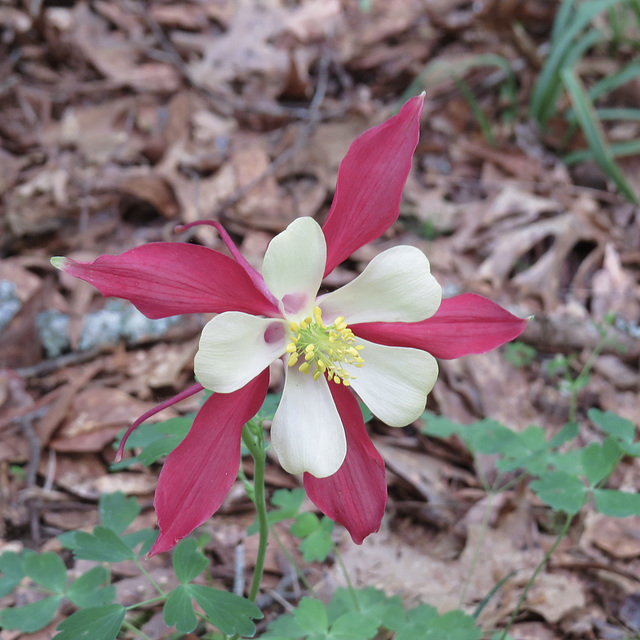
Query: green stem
146, 602
293, 563
259, 457
132, 628
157, 587
584, 372
529, 584
345, 573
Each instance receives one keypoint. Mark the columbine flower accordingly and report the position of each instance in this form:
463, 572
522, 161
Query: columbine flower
377, 336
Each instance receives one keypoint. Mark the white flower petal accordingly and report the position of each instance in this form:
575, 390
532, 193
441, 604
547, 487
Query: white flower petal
294, 265
394, 381
307, 432
235, 347
396, 286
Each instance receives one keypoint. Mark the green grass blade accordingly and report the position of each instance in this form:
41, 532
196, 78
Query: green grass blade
615, 80
561, 22
477, 111
594, 134
546, 88
618, 150
572, 55
438, 70
618, 113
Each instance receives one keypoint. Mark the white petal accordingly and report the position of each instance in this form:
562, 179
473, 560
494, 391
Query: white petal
294, 265
396, 286
307, 432
235, 347
394, 381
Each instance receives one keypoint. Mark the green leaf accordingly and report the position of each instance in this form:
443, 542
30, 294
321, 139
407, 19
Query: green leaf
598, 461
284, 627
568, 432
367, 416
227, 611
490, 437
561, 491
311, 615
592, 129
424, 622
617, 504
188, 561
318, 544
32, 617
158, 449
288, 503
117, 511
103, 545
87, 590
417, 623
178, 610
455, 625
156, 440
371, 602
546, 90
613, 424
569, 461
47, 569
441, 427
354, 625
94, 623
305, 523
269, 406
145, 536
11, 568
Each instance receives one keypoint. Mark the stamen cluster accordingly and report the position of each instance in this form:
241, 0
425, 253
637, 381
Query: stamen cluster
327, 347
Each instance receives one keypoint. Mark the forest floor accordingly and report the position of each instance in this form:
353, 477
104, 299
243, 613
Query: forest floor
121, 120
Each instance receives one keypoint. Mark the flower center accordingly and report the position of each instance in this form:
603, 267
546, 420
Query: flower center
327, 347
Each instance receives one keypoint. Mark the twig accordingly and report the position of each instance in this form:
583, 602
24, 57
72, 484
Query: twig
49, 366
35, 450
239, 566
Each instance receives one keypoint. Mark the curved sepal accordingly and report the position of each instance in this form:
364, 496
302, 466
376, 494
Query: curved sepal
464, 324
171, 278
356, 495
370, 182
198, 474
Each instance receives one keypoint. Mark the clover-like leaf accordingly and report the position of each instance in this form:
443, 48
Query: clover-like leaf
117, 511
354, 625
288, 503
599, 460
94, 623
188, 560
12, 572
103, 545
178, 610
305, 523
227, 611
47, 569
617, 504
32, 617
89, 589
561, 491
613, 424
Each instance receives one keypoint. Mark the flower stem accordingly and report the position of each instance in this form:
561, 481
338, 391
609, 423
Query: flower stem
134, 629
523, 597
158, 588
259, 458
345, 573
294, 564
